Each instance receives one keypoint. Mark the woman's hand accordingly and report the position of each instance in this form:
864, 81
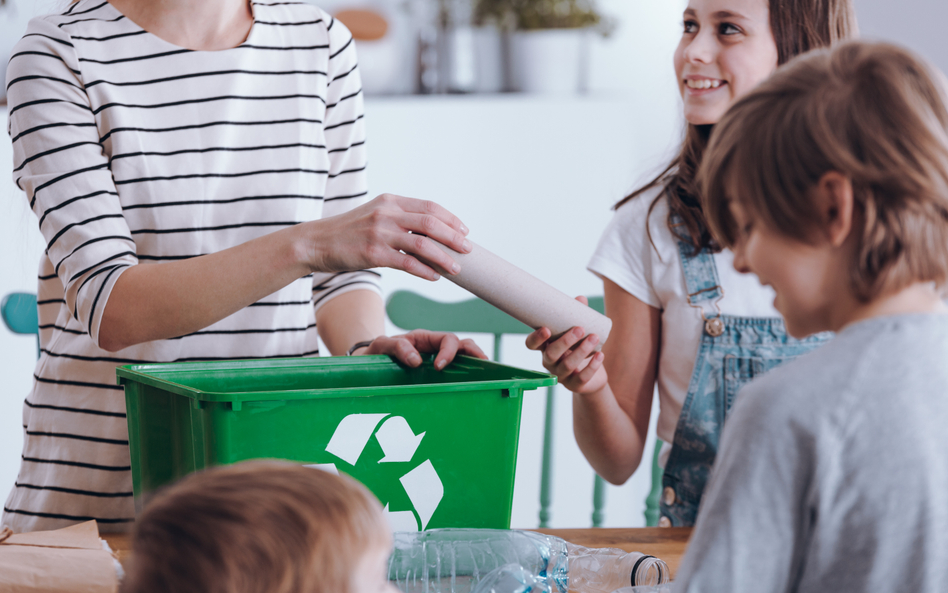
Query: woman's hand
407, 348
571, 358
390, 231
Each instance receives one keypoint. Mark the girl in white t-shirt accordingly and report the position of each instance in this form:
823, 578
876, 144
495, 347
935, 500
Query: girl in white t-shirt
682, 316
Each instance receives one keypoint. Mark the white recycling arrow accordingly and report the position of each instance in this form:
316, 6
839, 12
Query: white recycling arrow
424, 489
401, 520
398, 441
326, 467
351, 436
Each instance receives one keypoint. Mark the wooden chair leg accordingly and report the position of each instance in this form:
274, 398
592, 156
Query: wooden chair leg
599, 501
651, 501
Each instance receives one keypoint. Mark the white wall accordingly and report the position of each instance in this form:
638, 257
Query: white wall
917, 24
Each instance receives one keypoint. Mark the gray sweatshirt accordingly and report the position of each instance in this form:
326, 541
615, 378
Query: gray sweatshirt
833, 471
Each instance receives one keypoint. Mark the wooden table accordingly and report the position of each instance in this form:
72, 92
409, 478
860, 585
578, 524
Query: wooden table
120, 544
665, 543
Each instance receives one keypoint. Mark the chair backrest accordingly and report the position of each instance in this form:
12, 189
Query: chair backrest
18, 310
409, 311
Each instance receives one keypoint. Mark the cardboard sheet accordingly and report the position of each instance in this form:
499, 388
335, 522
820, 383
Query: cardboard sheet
70, 559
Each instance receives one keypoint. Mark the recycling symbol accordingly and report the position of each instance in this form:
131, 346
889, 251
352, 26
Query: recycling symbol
399, 443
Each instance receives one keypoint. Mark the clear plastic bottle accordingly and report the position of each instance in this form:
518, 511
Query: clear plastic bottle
512, 578
455, 560
603, 570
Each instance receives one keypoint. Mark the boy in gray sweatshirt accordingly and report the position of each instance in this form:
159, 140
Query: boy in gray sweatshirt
830, 183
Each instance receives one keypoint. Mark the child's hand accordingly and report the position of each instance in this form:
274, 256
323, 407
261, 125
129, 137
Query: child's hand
569, 359
407, 348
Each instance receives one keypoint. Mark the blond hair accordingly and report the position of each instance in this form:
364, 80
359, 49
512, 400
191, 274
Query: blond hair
260, 527
870, 111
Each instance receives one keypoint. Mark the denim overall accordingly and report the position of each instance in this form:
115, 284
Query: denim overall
733, 351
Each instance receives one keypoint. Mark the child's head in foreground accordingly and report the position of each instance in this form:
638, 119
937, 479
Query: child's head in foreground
261, 527
830, 183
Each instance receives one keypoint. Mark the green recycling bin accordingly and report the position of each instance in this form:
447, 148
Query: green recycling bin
438, 448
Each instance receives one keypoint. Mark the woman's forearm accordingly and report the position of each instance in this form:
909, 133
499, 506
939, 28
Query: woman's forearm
350, 318
160, 301
166, 300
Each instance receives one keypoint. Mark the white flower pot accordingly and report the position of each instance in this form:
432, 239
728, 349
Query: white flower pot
386, 65
552, 61
489, 60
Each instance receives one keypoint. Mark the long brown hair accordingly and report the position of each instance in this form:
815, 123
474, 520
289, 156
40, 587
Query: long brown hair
875, 113
798, 26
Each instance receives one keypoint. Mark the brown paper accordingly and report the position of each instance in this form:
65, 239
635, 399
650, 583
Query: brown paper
70, 559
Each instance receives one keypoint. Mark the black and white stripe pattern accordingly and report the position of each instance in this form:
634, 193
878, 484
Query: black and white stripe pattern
134, 151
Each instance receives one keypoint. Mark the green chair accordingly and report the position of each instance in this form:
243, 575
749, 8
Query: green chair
651, 501
18, 310
408, 310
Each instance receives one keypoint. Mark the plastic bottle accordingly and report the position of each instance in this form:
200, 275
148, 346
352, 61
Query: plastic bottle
512, 578
603, 570
455, 560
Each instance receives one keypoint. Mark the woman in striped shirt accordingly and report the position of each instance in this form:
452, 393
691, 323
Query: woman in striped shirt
198, 173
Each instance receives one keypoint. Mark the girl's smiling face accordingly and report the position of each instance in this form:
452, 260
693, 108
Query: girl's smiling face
726, 49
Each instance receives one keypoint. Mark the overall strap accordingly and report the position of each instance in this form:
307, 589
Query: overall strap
701, 274
701, 282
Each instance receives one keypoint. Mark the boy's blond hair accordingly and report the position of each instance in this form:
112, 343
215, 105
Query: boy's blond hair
261, 527
870, 111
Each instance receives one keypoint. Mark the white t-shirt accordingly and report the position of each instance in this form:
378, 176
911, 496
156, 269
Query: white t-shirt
651, 272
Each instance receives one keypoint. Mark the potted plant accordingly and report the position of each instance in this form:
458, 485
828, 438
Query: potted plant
548, 50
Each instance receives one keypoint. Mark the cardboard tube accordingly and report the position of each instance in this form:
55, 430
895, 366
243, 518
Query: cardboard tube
522, 296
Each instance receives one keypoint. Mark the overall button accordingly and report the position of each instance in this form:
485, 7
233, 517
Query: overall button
664, 522
714, 327
668, 496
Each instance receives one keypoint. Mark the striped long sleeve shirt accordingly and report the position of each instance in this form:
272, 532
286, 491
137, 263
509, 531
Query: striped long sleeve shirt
133, 151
